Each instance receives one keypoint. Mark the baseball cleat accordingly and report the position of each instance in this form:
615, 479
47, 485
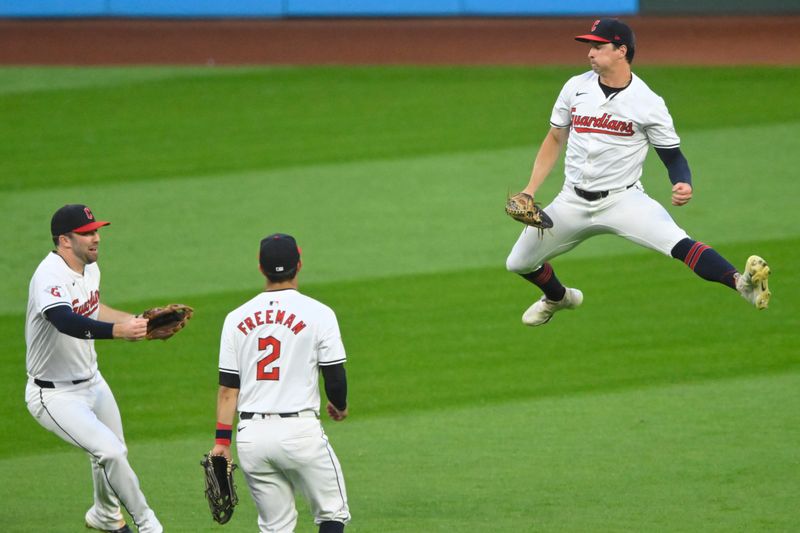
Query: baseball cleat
543, 309
123, 529
752, 284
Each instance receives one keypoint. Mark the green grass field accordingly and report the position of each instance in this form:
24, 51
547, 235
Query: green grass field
665, 403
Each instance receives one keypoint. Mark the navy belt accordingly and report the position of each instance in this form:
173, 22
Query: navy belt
50, 385
247, 415
596, 195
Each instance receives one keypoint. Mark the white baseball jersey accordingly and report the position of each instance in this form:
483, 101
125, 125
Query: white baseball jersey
83, 414
606, 148
275, 343
609, 136
51, 355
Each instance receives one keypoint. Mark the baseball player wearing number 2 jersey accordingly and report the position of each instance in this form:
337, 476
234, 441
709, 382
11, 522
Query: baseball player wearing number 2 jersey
608, 117
272, 350
66, 393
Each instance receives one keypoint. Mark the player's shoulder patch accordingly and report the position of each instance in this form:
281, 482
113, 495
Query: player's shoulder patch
57, 291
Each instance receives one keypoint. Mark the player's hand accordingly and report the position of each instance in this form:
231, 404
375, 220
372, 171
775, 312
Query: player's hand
133, 329
221, 449
681, 193
335, 413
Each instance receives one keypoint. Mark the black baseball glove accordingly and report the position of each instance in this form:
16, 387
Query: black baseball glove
220, 490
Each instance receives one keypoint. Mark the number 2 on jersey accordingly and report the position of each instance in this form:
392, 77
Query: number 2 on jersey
262, 374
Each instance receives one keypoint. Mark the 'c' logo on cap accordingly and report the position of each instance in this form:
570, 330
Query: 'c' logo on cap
88, 212
594, 26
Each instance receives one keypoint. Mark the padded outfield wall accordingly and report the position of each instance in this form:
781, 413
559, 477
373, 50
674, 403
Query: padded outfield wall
312, 8
716, 7
383, 8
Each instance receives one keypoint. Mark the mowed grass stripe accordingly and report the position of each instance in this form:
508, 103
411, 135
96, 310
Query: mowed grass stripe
230, 120
267, 119
707, 456
462, 418
451, 339
374, 219
31, 79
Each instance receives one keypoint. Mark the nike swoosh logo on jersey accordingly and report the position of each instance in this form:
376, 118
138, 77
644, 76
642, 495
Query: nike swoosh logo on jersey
580, 94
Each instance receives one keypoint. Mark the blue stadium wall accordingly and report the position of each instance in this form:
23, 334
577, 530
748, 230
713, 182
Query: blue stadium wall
384, 8
312, 8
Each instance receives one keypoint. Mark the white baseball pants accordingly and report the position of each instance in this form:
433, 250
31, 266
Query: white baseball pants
86, 415
630, 213
282, 455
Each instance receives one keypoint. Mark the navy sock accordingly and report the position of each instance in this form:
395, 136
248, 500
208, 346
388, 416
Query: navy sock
331, 526
546, 279
705, 262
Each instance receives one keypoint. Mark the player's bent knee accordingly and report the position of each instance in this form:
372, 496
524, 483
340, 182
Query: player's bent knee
517, 265
113, 455
522, 265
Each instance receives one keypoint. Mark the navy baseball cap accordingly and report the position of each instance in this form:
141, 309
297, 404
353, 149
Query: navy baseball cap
74, 217
279, 254
609, 31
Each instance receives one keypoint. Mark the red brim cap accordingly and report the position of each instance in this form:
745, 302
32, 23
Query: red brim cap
91, 226
591, 38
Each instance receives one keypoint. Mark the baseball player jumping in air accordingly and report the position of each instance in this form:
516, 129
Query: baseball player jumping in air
607, 117
271, 353
66, 393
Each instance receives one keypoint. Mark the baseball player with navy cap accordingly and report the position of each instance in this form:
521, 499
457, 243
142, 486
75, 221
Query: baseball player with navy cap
66, 392
272, 351
608, 118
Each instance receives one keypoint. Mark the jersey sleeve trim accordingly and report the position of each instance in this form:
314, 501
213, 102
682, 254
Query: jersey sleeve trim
559, 126
666, 146
331, 363
53, 305
230, 380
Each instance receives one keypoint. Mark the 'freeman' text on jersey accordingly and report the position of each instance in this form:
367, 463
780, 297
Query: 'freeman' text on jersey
603, 124
271, 316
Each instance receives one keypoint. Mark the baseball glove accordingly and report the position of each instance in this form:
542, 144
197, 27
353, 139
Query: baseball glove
220, 490
522, 208
164, 322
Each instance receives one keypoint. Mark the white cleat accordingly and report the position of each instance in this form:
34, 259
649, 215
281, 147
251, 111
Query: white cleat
122, 529
752, 283
543, 309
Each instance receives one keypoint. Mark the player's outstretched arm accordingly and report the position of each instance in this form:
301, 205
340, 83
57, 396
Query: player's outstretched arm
81, 327
133, 329
109, 314
126, 325
548, 155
